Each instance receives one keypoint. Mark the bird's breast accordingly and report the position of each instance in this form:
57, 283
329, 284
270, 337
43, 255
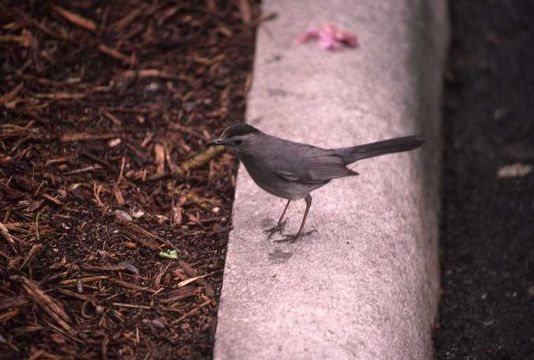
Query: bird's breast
267, 179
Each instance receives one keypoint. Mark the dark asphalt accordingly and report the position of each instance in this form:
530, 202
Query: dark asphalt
487, 232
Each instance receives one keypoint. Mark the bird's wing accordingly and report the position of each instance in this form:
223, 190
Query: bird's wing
317, 166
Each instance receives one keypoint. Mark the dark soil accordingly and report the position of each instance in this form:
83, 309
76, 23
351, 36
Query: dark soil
487, 233
105, 108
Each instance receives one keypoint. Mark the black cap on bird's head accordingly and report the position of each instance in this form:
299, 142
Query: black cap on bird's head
234, 135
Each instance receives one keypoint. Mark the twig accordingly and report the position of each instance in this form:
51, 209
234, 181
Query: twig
244, 8
118, 195
59, 96
131, 286
132, 306
196, 278
192, 272
180, 294
48, 304
15, 301
96, 192
88, 279
37, 236
35, 249
85, 137
139, 234
24, 39
40, 26
131, 110
10, 96
185, 316
151, 73
112, 117
117, 55
82, 170
5, 233
125, 20
52, 199
75, 19
74, 294
99, 161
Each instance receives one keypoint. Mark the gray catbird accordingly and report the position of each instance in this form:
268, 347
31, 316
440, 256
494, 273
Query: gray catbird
292, 170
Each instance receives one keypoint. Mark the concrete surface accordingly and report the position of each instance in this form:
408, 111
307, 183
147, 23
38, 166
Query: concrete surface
365, 286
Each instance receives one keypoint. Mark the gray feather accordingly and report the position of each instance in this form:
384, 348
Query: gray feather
314, 166
292, 170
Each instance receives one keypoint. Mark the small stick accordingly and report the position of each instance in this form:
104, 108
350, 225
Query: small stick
48, 304
84, 280
75, 18
59, 96
185, 316
117, 183
31, 254
131, 286
132, 306
82, 170
75, 137
117, 55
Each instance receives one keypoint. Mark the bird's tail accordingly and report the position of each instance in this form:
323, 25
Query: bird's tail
355, 153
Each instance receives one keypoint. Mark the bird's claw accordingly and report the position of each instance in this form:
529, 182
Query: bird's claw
293, 237
278, 228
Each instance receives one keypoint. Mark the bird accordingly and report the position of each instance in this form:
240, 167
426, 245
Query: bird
292, 170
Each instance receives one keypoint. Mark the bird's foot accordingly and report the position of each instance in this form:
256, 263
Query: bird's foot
278, 228
293, 237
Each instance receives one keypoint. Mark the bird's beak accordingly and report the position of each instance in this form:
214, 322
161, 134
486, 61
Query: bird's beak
216, 142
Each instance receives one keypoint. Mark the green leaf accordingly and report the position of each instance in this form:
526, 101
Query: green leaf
169, 254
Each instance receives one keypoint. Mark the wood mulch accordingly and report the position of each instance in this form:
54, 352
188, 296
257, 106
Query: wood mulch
105, 108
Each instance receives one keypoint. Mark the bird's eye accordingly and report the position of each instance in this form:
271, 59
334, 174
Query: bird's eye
237, 142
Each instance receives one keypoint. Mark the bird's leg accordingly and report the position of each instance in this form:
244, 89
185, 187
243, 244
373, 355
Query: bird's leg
280, 225
292, 238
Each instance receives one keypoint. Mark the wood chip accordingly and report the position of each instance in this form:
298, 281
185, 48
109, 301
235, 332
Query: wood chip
52, 199
15, 301
138, 234
47, 303
192, 272
75, 137
75, 19
83, 170
84, 280
159, 154
117, 55
5, 233
185, 316
11, 95
35, 249
59, 96
244, 8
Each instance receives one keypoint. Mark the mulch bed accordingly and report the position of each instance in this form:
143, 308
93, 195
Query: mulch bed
487, 221
105, 108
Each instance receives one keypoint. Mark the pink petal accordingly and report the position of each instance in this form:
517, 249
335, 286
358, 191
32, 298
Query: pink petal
347, 38
310, 34
327, 41
330, 37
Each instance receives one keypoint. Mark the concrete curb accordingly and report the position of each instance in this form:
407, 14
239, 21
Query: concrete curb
366, 285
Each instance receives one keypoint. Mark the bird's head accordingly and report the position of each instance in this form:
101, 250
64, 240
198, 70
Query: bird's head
237, 138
